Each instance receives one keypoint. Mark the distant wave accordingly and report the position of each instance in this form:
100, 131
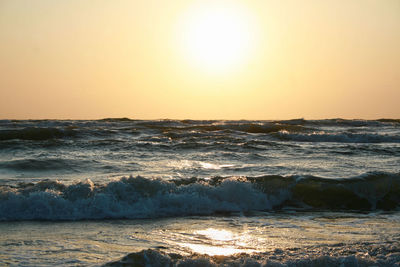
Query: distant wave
36, 133
138, 197
116, 119
249, 127
288, 130
389, 120
338, 137
343, 122
333, 122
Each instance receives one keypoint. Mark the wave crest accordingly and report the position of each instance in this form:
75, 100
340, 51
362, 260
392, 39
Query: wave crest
337, 137
133, 197
139, 197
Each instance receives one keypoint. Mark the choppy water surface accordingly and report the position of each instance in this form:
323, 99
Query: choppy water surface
286, 191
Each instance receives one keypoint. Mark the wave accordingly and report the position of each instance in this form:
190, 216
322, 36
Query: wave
37, 133
337, 137
346, 122
389, 120
124, 119
43, 164
182, 128
125, 128
109, 127
248, 127
301, 121
332, 256
139, 197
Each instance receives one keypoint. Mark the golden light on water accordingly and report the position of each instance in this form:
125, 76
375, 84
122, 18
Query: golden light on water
216, 234
214, 250
219, 242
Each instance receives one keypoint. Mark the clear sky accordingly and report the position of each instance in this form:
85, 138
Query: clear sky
253, 59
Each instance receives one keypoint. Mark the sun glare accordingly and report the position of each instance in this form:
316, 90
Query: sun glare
218, 37
219, 242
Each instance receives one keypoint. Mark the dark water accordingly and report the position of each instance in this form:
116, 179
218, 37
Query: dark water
169, 149
135, 169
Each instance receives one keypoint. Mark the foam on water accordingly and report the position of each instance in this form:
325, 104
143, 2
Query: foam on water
389, 256
138, 197
292, 238
128, 198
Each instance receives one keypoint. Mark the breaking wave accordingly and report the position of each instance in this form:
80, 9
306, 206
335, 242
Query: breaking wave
339, 255
138, 197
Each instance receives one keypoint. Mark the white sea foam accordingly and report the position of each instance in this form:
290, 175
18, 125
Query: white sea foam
388, 256
138, 197
134, 197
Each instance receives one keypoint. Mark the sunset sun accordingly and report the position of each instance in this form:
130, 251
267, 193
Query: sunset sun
218, 38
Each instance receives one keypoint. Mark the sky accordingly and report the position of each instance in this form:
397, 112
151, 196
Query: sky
182, 59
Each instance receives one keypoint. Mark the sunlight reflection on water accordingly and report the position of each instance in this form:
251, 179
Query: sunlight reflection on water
219, 242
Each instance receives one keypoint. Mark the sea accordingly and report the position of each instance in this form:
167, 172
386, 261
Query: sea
124, 192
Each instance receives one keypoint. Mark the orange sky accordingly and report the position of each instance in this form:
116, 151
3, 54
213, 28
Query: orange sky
159, 59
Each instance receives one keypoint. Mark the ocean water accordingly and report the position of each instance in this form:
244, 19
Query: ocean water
121, 192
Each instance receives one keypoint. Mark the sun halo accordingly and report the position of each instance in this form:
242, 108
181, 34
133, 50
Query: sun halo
217, 38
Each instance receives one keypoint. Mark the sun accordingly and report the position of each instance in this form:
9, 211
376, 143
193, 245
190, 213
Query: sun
217, 37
